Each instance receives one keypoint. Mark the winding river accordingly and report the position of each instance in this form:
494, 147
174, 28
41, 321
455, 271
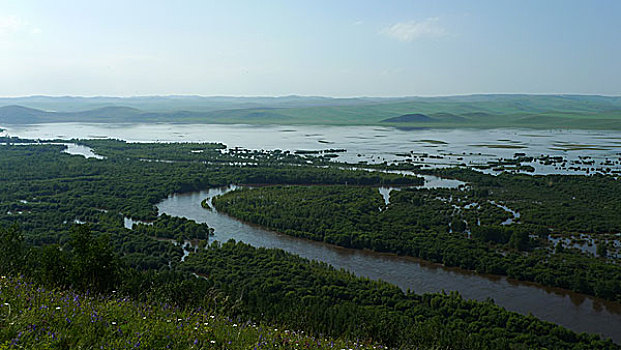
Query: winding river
583, 151
575, 311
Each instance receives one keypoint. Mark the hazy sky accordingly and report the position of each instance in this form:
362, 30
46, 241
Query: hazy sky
334, 48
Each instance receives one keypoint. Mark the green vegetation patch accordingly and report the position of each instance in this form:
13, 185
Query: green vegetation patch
43, 192
32, 317
467, 229
313, 295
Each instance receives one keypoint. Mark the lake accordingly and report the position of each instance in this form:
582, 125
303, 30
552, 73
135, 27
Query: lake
582, 151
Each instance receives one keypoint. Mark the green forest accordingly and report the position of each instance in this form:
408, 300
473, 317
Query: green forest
456, 227
74, 276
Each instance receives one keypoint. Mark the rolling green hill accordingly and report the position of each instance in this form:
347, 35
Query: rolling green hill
537, 111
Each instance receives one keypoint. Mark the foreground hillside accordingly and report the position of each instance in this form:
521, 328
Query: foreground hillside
32, 317
225, 286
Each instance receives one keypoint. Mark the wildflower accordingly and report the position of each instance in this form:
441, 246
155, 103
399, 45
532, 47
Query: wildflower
212, 341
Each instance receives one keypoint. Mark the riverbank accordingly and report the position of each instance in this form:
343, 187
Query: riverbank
575, 311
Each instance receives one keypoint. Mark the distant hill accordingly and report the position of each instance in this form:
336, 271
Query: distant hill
541, 111
25, 115
423, 118
409, 118
109, 111
448, 117
20, 114
121, 114
264, 115
180, 103
477, 115
11, 111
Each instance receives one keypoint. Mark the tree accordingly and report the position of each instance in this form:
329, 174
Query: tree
13, 250
602, 249
519, 240
53, 265
93, 263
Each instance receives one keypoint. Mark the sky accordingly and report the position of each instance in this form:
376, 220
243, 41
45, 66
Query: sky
328, 48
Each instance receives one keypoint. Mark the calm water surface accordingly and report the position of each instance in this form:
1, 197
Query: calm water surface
373, 144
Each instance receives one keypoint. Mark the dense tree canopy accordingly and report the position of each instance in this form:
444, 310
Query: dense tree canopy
452, 227
62, 225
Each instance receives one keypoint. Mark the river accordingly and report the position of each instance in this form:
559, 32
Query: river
575, 311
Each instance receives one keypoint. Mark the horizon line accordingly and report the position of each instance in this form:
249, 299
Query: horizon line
309, 96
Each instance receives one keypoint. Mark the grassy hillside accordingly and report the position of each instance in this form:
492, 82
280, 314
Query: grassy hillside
32, 317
